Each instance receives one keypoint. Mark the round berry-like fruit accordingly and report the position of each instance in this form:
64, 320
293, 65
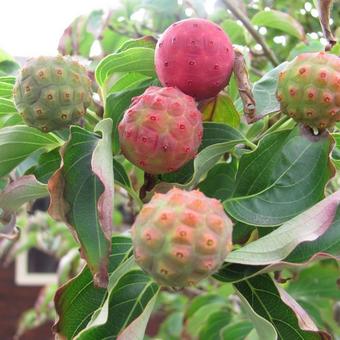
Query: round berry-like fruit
52, 93
181, 237
196, 56
161, 130
309, 89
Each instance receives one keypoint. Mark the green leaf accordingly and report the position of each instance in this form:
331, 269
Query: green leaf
128, 301
218, 139
215, 133
264, 91
127, 81
198, 320
264, 329
336, 150
326, 245
7, 63
147, 41
77, 38
280, 21
82, 194
18, 142
8, 80
272, 184
78, 299
48, 164
137, 59
268, 302
6, 90
215, 324
7, 107
122, 179
203, 300
278, 244
303, 47
236, 330
220, 181
171, 328
234, 272
221, 109
20, 191
316, 283
116, 104
235, 31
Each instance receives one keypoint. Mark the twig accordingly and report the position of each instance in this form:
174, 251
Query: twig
248, 25
149, 182
244, 87
324, 8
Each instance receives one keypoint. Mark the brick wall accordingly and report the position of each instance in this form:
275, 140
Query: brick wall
13, 301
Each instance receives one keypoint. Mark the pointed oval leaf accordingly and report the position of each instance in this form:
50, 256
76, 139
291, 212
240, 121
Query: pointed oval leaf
20, 191
82, 194
132, 296
266, 301
7, 107
136, 59
18, 142
78, 299
282, 241
272, 184
280, 21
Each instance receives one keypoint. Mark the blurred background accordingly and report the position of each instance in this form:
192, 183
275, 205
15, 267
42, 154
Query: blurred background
45, 255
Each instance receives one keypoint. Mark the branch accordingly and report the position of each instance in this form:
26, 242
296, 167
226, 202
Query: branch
248, 25
244, 87
324, 8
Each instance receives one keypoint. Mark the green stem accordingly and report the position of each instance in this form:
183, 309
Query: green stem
274, 127
250, 144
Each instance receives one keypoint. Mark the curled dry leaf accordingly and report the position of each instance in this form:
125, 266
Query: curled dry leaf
244, 87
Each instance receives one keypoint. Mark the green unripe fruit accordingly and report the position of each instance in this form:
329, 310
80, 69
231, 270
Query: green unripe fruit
181, 237
309, 89
52, 93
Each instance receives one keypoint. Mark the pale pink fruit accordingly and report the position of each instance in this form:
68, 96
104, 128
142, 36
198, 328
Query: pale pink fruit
181, 237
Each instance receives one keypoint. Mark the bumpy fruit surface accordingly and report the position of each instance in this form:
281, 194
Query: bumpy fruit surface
52, 92
161, 130
309, 89
181, 237
196, 56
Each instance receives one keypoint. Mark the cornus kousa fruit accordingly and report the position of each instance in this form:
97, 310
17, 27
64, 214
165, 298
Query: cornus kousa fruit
161, 130
181, 237
309, 89
196, 56
52, 92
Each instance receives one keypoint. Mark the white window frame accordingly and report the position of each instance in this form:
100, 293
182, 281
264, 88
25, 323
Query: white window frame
24, 278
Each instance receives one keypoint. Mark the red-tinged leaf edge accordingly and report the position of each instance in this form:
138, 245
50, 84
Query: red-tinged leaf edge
304, 320
136, 329
59, 207
324, 211
104, 173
